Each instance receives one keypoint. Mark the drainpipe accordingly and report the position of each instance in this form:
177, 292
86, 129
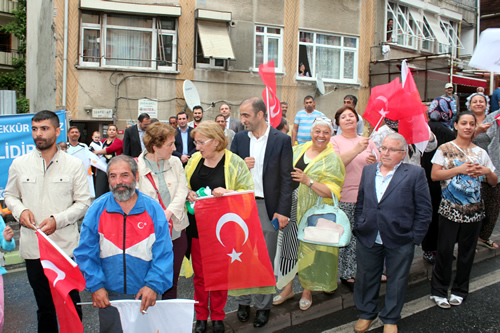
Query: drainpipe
65, 55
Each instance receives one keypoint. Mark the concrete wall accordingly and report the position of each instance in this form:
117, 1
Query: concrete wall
40, 56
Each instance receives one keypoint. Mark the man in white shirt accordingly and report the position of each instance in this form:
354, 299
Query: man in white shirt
268, 154
197, 116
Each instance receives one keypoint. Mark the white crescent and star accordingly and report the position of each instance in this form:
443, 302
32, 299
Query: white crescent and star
381, 111
46, 264
231, 217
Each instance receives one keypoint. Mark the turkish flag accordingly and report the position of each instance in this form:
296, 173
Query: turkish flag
267, 74
232, 244
378, 106
498, 119
63, 275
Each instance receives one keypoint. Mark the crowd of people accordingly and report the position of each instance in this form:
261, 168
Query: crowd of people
137, 232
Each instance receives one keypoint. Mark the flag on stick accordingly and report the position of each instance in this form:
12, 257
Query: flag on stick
174, 315
64, 276
267, 74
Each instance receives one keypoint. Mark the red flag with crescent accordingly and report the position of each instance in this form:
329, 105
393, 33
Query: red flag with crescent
63, 275
267, 74
233, 249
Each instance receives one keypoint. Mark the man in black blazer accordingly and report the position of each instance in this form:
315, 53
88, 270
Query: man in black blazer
268, 154
232, 124
132, 139
392, 215
184, 143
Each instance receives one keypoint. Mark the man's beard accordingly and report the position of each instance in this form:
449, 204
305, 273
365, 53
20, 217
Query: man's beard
47, 143
198, 119
125, 194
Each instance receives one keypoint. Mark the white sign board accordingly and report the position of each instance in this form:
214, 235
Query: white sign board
148, 106
102, 113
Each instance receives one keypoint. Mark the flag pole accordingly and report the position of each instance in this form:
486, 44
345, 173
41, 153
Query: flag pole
376, 126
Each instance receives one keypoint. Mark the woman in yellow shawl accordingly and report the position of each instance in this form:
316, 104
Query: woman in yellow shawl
319, 171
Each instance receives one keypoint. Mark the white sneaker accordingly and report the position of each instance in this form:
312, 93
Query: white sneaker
441, 302
456, 300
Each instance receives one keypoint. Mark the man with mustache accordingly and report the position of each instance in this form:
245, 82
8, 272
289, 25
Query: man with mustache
47, 190
125, 250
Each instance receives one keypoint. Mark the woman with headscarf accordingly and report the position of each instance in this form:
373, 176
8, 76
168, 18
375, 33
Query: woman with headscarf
162, 177
440, 118
487, 137
318, 172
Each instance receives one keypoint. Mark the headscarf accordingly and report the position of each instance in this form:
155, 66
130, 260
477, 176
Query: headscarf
486, 98
441, 110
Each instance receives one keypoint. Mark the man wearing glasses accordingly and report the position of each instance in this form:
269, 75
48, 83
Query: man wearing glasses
392, 215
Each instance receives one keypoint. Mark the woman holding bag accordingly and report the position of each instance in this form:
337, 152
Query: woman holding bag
162, 177
318, 172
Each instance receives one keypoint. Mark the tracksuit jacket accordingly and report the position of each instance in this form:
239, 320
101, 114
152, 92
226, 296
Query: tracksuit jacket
123, 252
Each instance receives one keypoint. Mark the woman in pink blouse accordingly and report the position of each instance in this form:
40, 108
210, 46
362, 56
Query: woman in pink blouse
356, 152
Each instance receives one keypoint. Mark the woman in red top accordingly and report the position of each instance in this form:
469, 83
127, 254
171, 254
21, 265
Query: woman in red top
112, 146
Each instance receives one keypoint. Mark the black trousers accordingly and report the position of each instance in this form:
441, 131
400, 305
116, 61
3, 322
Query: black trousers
450, 233
46, 313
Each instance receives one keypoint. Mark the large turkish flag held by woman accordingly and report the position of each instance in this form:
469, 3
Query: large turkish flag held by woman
233, 249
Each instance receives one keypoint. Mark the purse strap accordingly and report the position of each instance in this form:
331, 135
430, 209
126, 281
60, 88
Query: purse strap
150, 177
334, 198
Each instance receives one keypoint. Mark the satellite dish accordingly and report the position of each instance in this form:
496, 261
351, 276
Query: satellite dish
320, 85
191, 94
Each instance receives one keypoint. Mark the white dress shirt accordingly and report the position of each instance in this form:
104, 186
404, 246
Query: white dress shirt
257, 151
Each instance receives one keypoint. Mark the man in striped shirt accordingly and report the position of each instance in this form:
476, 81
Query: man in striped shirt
303, 120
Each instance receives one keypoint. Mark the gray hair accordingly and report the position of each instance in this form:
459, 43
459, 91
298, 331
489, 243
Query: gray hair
400, 138
322, 120
123, 158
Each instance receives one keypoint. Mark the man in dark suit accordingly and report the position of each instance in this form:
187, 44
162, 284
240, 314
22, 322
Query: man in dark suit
184, 145
233, 124
268, 154
132, 139
392, 215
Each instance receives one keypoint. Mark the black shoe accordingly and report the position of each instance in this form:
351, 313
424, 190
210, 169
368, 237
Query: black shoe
348, 284
261, 318
201, 326
243, 312
218, 326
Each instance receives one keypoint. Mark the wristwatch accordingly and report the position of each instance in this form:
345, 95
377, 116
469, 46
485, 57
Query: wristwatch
311, 182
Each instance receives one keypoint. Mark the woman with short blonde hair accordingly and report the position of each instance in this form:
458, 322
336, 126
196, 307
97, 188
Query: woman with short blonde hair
212, 131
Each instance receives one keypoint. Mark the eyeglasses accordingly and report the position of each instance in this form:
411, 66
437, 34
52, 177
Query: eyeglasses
391, 150
201, 143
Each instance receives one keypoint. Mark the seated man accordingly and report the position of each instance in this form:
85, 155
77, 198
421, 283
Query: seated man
125, 248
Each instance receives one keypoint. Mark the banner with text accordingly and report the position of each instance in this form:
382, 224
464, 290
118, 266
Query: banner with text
16, 140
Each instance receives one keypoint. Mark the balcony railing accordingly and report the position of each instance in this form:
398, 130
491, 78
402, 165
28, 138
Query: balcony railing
7, 6
6, 57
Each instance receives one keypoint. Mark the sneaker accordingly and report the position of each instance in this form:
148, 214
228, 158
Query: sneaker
430, 257
441, 302
456, 300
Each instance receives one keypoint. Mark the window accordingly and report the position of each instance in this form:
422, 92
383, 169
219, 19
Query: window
453, 41
268, 46
331, 57
116, 40
213, 45
5, 42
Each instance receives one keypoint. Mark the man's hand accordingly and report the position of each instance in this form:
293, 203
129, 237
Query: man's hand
100, 299
250, 161
48, 226
283, 220
148, 297
8, 233
27, 219
184, 158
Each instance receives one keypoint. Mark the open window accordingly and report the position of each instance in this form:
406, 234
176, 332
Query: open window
331, 57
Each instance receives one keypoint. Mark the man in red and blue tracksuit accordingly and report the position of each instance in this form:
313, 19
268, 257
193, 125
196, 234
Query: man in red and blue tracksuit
125, 249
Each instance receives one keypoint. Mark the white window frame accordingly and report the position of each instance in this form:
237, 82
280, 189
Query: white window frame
448, 29
155, 31
343, 49
266, 36
430, 40
211, 61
